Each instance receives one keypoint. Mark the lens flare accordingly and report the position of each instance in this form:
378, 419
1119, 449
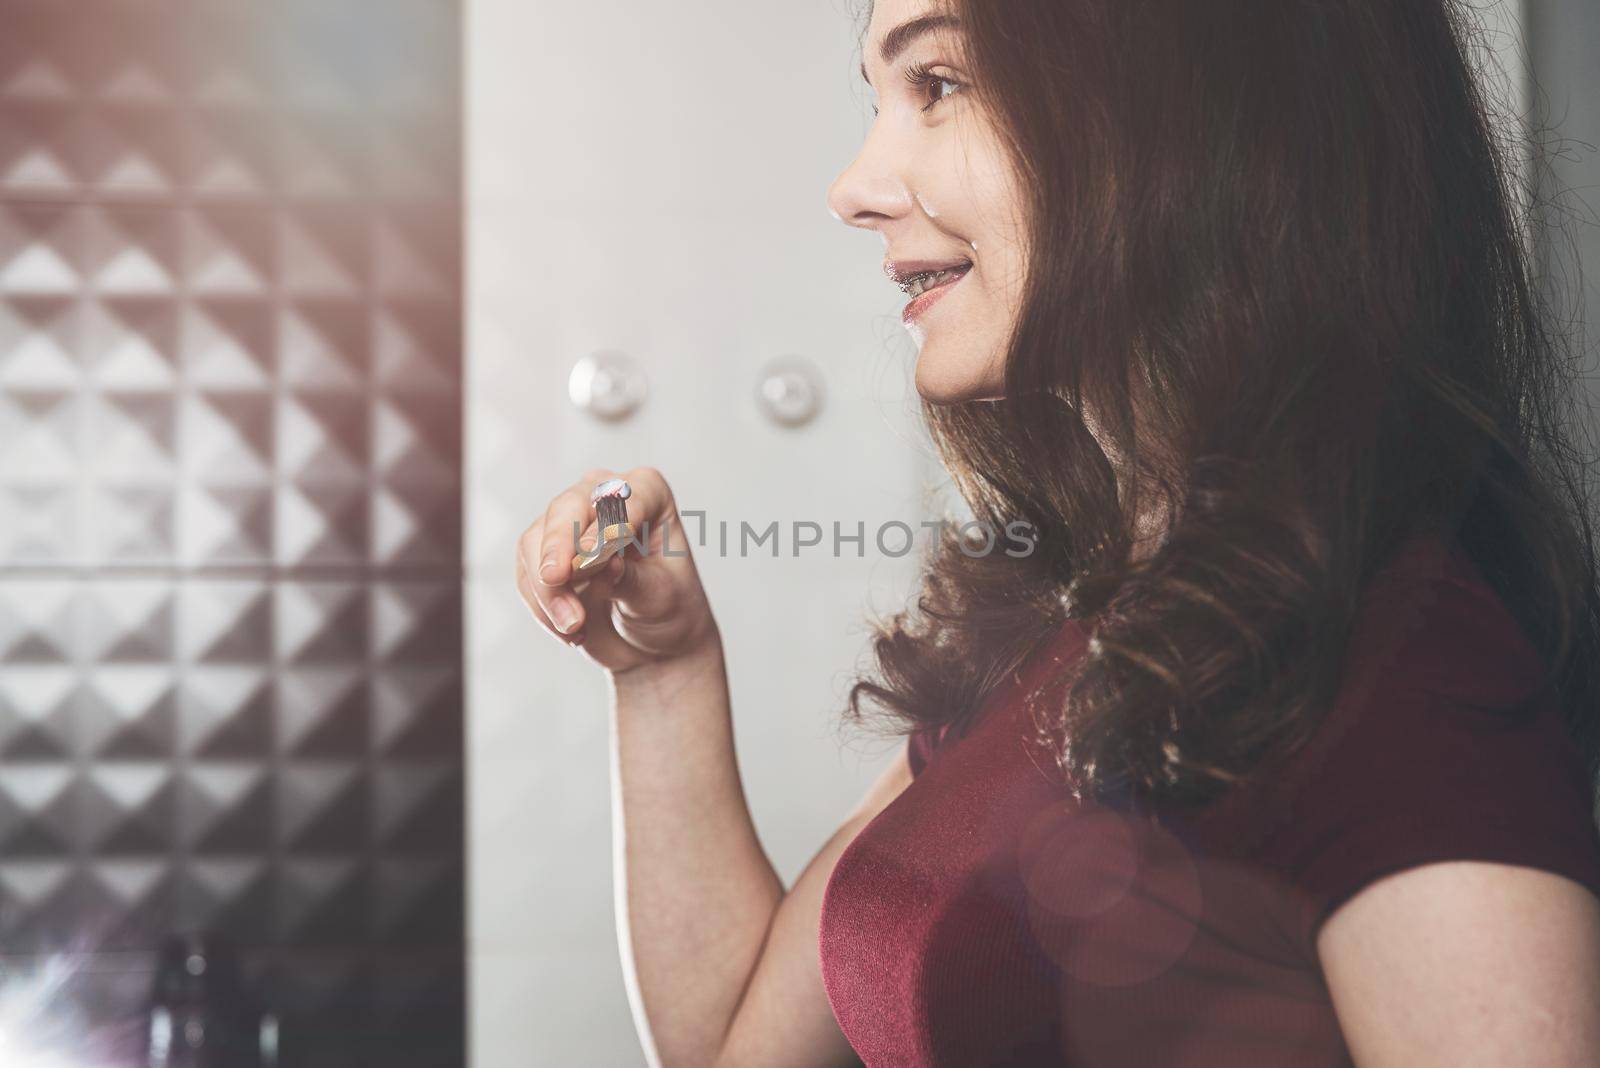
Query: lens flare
40, 1027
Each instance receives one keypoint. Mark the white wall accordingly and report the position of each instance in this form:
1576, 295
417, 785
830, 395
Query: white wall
695, 144
1564, 40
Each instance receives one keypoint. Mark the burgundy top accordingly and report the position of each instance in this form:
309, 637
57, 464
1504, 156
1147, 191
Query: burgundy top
985, 918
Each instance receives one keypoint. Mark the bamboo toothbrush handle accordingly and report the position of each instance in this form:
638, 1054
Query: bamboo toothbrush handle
613, 539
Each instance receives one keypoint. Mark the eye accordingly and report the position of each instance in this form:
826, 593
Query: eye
931, 85
933, 88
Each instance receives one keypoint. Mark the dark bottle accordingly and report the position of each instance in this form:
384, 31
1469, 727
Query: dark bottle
199, 1015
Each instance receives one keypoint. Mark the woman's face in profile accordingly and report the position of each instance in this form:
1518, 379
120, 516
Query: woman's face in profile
933, 179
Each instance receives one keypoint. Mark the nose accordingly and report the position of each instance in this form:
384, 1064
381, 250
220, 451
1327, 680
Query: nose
869, 193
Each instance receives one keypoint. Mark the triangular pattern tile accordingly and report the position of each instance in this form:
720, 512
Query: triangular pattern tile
230, 531
40, 339
227, 343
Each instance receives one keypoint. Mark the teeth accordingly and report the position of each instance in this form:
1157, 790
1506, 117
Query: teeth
924, 282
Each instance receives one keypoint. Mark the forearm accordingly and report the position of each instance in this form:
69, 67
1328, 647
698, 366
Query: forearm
695, 892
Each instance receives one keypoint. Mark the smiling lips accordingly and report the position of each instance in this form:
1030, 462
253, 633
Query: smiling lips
930, 293
904, 272
925, 282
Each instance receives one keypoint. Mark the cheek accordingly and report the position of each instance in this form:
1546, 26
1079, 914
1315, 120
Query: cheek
978, 199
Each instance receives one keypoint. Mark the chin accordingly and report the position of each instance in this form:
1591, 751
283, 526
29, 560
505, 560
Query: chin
941, 379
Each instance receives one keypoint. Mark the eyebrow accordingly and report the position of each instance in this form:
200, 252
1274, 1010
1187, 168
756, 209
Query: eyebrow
901, 37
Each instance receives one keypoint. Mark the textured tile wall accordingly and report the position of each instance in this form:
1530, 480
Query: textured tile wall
230, 544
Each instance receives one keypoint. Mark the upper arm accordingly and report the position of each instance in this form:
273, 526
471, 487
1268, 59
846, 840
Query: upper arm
1444, 849
784, 1017
1467, 963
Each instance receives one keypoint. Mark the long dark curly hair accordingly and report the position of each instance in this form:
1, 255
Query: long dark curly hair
1292, 239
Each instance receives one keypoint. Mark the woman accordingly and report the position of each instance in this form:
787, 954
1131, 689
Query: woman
1279, 747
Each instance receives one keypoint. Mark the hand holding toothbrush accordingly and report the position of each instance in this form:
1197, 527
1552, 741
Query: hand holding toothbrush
614, 591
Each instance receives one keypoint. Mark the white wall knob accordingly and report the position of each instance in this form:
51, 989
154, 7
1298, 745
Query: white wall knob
608, 385
789, 390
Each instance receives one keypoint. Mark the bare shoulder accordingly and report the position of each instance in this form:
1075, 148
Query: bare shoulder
1466, 963
889, 784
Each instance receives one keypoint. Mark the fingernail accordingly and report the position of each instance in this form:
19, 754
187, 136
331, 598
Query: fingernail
564, 614
548, 570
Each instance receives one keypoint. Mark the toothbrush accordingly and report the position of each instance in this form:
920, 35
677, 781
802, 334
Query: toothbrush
615, 531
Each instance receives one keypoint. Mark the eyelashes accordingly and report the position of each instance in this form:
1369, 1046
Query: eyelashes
922, 77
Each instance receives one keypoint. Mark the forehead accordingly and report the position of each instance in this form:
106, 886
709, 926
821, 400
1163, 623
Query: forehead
887, 13
898, 25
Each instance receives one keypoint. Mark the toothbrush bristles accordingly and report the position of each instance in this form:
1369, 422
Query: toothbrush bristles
611, 511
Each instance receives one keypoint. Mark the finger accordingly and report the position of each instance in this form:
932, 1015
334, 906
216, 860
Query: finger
594, 604
525, 588
651, 500
567, 523
642, 592
544, 597
598, 598
568, 514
